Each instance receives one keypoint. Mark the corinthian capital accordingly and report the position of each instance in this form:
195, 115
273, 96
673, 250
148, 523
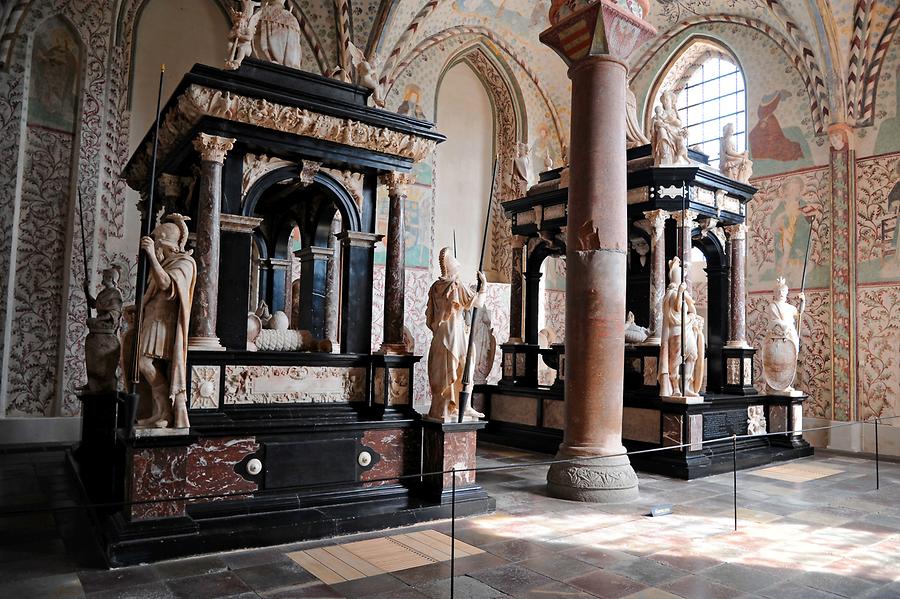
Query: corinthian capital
213, 148
738, 231
396, 182
657, 220
685, 218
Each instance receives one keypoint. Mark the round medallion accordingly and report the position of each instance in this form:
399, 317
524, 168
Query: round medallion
254, 467
207, 388
364, 459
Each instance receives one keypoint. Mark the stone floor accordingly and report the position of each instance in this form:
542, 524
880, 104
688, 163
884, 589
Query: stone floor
833, 536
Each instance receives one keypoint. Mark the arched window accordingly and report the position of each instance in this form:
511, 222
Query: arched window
709, 87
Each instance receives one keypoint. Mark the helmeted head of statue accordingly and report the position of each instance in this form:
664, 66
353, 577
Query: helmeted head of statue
170, 236
111, 276
675, 270
781, 289
449, 264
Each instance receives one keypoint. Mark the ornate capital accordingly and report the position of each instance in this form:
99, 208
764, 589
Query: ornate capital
518, 241
308, 170
213, 148
736, 232
657, 220
396, 182
685, 218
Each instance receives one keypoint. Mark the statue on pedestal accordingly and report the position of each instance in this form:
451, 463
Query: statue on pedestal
365, 74
278, 35
166, 311
670, 349
733, 164
101, 347
669, 136
448, 299
522, 168
781, 345
634, 333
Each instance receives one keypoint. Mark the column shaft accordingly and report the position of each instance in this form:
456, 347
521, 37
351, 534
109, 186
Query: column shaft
333, 285
395, 267
516, 289
657, 220
737, 243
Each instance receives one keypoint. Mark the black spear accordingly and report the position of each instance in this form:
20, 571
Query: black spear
146, 229
465, 394
84, 255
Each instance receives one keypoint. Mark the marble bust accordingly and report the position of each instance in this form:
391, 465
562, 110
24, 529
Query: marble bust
678, 305
781, 345
165, 314
448, 299
733, 164
668, 135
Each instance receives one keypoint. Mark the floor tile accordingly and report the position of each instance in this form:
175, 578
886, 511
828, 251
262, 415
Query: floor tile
512, 579
606, 585
208, 586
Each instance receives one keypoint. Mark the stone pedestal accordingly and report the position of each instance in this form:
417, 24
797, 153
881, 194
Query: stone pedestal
395, 266
657, 219
595, 40
516, 289
204, 311
447, 446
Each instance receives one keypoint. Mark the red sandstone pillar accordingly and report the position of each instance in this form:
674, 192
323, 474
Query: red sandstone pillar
395, 265
595, 40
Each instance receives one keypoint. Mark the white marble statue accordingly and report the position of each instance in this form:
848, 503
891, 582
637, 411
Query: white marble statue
781, 344
364, 74
522, 168
733, 164
243, 30
634, 333
634, 133
101, 346
669, 136
670, 354
165, 315
278, 35
448, 299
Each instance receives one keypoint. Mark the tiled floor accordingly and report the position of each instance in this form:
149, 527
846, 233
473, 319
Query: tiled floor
831, 536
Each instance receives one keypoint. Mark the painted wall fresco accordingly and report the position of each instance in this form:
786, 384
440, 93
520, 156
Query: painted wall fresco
877, 211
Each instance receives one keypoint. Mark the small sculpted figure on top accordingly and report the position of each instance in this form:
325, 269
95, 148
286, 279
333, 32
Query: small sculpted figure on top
101, 347
522, 168
166, 311
669, 136
448, 299
670, 352
733, 164
365, 74
243, 29
781, 345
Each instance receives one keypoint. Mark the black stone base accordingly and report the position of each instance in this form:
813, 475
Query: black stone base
261, 521
520, 436
716, 458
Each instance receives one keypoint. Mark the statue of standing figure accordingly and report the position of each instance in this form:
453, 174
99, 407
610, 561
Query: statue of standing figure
243, 30
781, 345
668, 135
278, 35
101, 347
733, 164
448, 299
670, 349
166, 311
521, 174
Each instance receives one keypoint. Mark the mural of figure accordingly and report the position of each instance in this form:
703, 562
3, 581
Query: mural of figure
278, 35
670, 355
791, 223
448, 299
55, 67
781, 345
410, 105
166, 311
767, 140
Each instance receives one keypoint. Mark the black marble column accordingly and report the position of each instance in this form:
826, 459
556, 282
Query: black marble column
533, 301
333, 286
358, 259
395, 265
235, 268
204, 312
313, 282
516, 288
277, 280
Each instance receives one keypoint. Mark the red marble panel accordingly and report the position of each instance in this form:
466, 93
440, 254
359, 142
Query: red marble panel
459, 453
157, 473
394, 447
210, 467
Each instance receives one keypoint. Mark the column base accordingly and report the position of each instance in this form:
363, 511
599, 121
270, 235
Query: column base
393, 349
594, 480
737, 345
205, 344
655, 341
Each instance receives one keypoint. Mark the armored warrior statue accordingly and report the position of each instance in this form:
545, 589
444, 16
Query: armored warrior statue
448, 299
694, 343
781, 345
166, 311
101, 347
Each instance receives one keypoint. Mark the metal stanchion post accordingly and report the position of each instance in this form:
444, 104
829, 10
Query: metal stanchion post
877, 472
452, 530
734, 473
